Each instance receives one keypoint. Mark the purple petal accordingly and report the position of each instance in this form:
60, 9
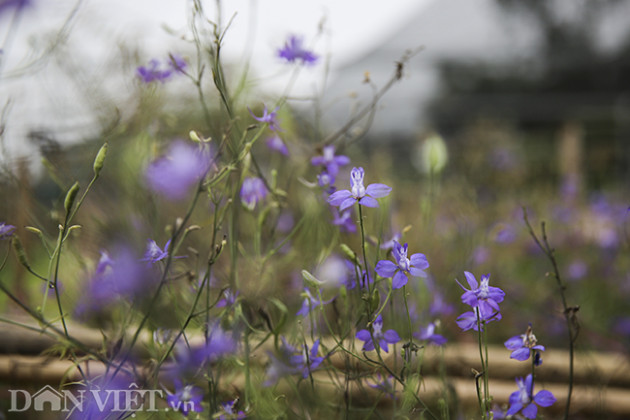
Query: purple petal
385, 268
378, 190
530, 411
420, 261
391, 336
364, 335
368, 202
317, 160
472, 281
339, 197
347, 203
514, 343
399, 280
417, 272
521, 354
544, 398
514, 408
342, 160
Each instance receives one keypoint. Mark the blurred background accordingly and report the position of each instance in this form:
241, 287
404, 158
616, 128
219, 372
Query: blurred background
505, 105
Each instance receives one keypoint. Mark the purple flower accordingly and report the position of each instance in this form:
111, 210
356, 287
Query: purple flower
186, 398
154, 253
174, 174
253, 190
522, 345
430, 336
469, 320
523, 401
344, 221
403, 266
228, 411
229, 299
267, 117
384, 385
382, 338
365, 196
177, 63
275, 143
483, 295
154, 71
390, 244
309, 303
439, 306
121, 276
6, 231
330, 161
294, 51
293, 360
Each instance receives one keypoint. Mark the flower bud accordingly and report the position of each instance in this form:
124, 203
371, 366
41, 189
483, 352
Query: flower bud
100, 159
71, 196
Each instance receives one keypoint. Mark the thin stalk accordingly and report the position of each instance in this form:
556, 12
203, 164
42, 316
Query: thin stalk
569, 312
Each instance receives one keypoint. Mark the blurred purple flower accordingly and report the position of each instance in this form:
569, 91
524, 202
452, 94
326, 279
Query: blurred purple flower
505, 235
6, 231
330, 161
293, 360
326, 181
403, 267
391, 243
155, 72
522, 345
524, 401
275, 143
154, 253
384, 385
439, 306
267, 117
480, 255
293, 51
17, 5
577, 270
365, 196
382, 338
228, 299
344, 221
428, 334
121, 276
186, 398
253, 191
309, 303
228, 411
174, 174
